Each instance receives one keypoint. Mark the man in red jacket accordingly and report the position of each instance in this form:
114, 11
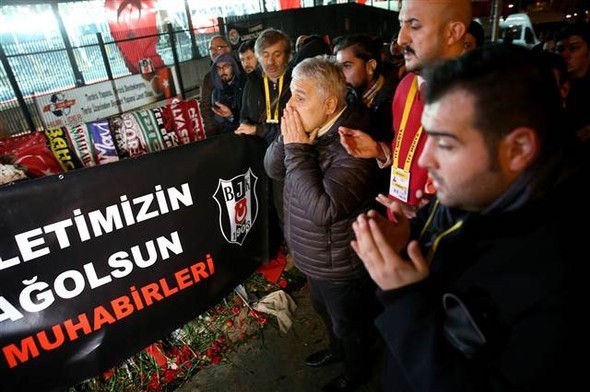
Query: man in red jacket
430, 31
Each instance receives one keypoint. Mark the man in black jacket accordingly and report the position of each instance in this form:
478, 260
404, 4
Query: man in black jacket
324, 189
267, 88
265, 95
218, 45
226, 97
480, 289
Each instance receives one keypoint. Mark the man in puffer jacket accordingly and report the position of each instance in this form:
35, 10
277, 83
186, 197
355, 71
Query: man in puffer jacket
324, 189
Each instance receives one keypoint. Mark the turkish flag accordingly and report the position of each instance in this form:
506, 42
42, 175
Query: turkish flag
130, 21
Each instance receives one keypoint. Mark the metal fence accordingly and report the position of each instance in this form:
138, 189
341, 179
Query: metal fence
40, 65
30, 69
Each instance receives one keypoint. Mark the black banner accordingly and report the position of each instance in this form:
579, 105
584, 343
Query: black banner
97, 263
240, 32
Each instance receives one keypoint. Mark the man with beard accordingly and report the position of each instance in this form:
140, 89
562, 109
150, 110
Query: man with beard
360, 58
247, 56
226, 98
218, 45
483, 289
430, 31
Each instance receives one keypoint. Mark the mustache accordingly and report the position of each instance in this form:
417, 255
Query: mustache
435, 177
407, 50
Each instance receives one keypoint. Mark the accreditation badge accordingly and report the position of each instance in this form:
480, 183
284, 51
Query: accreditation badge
399, 185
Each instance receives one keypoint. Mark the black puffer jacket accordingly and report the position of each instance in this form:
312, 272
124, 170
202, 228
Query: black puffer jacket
325, 190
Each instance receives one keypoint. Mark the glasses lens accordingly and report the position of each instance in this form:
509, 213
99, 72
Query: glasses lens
217, 48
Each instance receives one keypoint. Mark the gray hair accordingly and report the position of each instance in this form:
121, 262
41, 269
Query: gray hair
219, 36
270, 37
326, 75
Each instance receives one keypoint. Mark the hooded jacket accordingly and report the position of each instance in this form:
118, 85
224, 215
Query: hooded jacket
228, 94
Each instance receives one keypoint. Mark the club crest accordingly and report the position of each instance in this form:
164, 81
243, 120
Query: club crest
238, 206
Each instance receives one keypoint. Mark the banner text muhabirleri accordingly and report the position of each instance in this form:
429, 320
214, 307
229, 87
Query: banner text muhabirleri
32, 244
86, 323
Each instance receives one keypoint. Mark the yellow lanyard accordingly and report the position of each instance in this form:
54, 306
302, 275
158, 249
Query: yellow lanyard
403, 123
275, 118
439, 237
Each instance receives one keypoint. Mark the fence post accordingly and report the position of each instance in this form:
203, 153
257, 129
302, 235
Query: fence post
64, 35
16, 89
107, 66
221, 25
194, 49
172, 40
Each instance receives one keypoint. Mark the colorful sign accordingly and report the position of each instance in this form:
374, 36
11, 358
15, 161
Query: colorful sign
98, 263
101, 100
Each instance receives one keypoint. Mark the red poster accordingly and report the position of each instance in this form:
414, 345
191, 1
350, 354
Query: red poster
288, 4
129, 20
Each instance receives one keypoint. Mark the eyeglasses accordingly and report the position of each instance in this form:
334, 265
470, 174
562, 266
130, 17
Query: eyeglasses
216, 48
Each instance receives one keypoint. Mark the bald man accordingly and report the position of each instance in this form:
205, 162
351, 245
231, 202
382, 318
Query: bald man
431, 30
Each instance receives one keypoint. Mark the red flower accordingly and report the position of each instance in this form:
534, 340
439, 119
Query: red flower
262, 321
155, 351
170, 375
210, 353
108, 374
229, 323
283, 283
154, 383
216, 359
236, 310
185, 353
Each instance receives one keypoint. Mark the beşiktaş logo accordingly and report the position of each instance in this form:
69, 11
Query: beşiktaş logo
238, 206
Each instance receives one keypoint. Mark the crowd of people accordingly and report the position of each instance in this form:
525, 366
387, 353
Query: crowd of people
420, 187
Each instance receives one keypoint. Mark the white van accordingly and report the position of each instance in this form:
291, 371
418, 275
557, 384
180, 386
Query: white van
530, 29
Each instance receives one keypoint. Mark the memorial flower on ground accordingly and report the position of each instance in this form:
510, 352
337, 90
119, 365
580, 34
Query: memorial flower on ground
205, 341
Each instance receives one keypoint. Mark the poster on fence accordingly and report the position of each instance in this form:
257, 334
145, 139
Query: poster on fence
101, 100
97, 263
240, 32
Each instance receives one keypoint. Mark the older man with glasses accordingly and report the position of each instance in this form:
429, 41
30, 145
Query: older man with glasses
218, 45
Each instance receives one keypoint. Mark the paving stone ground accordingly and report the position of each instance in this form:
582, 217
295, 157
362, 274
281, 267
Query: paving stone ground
274, 363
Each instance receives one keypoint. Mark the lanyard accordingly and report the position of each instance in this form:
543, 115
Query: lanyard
274, 119
440, 236
402, 128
